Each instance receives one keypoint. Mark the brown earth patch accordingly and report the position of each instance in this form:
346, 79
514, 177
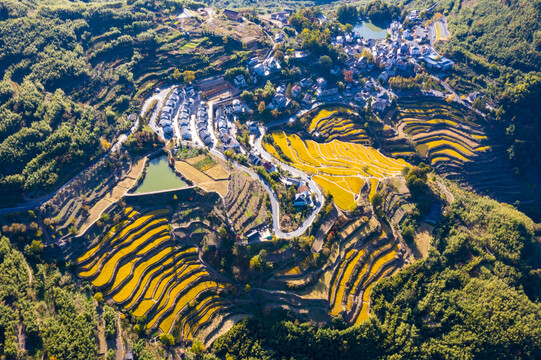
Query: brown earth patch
114, 195
201, 179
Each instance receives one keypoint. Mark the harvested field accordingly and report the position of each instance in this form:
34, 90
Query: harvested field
217, 172
201, 179
246, 203
195, 159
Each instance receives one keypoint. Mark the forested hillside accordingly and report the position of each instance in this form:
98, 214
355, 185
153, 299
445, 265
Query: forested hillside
42, 311
475, 296
497, 49
71, 73
51, 121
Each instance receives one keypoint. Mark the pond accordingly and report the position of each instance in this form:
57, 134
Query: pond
159, 177
368, 30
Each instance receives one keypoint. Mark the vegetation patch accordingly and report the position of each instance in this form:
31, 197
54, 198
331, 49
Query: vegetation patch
205, 164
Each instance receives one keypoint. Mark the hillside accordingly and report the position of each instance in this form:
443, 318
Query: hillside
73, 72
218, 179
465, 299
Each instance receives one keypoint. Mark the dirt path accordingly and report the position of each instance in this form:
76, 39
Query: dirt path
119, 343
102, 342
21, 338
30, 278
448, 195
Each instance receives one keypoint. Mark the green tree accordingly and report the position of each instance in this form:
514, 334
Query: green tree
377, 199
111, 354
279, 55
289, 94
34, 249
325, 62
261, 107
189, 76
110, 322
408, 233
347, 13
167, 339
177, 74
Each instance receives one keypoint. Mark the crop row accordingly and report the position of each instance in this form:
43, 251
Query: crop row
140, 268
340, 168
356, 273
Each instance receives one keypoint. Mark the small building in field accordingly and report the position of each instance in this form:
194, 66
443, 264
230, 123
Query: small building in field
240, 81
233, 15
269, 167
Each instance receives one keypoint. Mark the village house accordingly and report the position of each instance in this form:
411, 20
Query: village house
253, 127
306, 83
240, 81
306, 100
279, 37
237, 108
269, 167
295, 91
254, 159
302, 198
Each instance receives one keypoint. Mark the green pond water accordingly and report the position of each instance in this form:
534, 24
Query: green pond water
159, 177
370, 31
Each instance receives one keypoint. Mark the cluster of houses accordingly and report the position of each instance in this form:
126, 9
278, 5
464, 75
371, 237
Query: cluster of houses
256, 161
201, 124
184, 113
323, 89
282, 16
223, 125
168, 112
266, 68
414, 16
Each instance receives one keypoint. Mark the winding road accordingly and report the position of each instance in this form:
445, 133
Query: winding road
320, 199
275, 205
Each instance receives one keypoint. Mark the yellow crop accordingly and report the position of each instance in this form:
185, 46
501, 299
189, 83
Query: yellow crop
342, 286
181, 302
128, 288
108, 268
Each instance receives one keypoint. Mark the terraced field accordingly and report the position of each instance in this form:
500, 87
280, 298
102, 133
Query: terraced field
365, 255
138, 265
441, 133
460, 150
81, 202
337, 123
340, 168
245, 203
355, 274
